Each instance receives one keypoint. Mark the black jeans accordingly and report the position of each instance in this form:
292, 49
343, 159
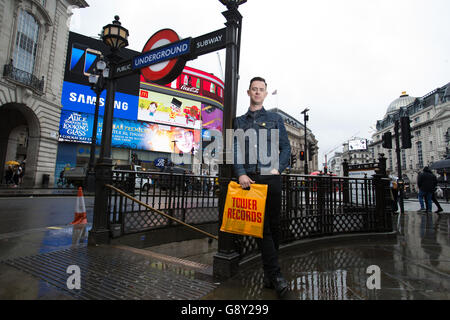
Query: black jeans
270, 242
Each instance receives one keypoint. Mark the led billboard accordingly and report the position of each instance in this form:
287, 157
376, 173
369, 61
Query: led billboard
357, 144
77, 127
166, 109
81, 98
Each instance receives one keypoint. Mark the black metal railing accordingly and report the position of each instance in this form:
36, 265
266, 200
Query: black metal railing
191, 199
318, 206
312, 206
23, 77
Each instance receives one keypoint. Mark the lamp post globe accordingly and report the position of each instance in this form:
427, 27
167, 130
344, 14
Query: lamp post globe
101, 64
114, 35
232, 3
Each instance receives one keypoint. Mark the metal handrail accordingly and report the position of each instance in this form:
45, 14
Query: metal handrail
160, 212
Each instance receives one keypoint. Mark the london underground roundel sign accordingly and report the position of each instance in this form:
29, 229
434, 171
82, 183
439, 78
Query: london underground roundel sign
166, 71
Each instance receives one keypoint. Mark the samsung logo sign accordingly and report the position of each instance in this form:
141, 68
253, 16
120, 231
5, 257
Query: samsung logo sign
81, 98
88, 99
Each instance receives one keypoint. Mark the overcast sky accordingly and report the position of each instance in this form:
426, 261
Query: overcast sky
346, 60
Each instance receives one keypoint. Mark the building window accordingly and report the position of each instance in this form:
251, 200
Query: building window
419, 155
390, 159
403, 152
26, 42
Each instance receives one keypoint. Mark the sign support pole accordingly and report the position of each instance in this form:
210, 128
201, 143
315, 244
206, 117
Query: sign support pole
226, 260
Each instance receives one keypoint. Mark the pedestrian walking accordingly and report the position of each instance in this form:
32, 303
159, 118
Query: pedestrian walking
17, 175
61, 180
9, 176
249, 171
436, 202
427, 182
22, 172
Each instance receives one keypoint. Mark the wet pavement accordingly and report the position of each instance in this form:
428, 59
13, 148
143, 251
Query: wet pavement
413, 264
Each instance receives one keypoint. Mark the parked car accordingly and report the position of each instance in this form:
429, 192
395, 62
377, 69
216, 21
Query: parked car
137, 179
76, 176
166, 181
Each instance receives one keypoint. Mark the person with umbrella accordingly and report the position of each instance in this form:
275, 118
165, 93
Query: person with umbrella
444, 167
9, 175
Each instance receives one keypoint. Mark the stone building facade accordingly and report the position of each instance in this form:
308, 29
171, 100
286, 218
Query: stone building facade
296, 135
334, 165
430, 130
33, 38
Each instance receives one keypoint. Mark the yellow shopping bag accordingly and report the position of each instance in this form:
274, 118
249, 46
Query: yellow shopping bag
244, 210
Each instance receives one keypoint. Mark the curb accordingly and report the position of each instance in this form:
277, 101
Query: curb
41, 193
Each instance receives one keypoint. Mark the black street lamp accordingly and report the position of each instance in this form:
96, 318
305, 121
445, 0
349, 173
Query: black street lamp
232, 4
115, 37
226, 260
306, 118
97, 81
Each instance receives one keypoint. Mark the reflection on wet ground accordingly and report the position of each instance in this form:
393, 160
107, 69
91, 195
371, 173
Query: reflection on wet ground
42, 240
16, 284
414, 264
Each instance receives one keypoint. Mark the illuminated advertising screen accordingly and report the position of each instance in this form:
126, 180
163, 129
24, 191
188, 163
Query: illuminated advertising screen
84, 52
81, 98
77, 127
357, 144
170, 139
166, 109
212, 117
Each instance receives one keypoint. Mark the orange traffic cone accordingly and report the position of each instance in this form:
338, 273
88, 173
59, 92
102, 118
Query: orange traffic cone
80, 209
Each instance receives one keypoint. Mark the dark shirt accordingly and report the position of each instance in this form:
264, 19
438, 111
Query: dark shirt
427, 181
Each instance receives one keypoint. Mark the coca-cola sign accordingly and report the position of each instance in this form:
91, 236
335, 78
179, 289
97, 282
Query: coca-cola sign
201, 83
190, 89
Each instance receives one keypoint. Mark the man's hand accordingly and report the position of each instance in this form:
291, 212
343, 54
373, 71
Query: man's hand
274, 171
245, 181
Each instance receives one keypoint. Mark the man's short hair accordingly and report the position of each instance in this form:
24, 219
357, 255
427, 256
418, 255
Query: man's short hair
257, 79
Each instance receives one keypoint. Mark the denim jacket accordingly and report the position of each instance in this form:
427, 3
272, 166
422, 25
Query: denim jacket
263, 120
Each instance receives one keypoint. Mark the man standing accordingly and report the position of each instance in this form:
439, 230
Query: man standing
427, 182
251, 166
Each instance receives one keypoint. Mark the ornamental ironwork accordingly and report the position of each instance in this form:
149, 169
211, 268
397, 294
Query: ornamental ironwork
23, 77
